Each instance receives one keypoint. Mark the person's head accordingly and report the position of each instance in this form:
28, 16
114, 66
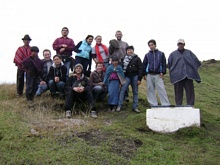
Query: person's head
98, 39
26, 40
152, 44
57, 59
34, 51
130, 50
46, 54
118, 35
65, 31
181, 44
115, 60
99, 66
89, 39
78, 69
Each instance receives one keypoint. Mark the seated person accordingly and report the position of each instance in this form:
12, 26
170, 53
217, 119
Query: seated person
96, 79
42, 86
57, 76
79, 88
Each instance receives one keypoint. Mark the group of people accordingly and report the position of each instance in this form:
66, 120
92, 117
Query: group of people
117, 67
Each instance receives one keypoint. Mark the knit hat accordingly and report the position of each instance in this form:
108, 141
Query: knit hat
79, 65
26, 37
34, 49
130, 47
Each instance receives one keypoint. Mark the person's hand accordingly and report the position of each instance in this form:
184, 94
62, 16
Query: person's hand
139, 82
161, 75
42, 83
64, 45
101, 83
145, 77
56, 79
62, 50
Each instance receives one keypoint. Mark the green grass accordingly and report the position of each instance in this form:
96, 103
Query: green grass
114, 138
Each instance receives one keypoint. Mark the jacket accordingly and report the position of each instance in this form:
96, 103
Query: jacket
57, 72
154, 62
183, 65
83, 49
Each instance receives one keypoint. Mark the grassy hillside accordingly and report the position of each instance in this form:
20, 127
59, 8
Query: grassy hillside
44, 136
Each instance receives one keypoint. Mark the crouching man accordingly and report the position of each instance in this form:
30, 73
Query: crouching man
79, 88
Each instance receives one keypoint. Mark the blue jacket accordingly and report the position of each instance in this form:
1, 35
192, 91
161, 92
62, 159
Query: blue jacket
83, 49
154, 62
183, 65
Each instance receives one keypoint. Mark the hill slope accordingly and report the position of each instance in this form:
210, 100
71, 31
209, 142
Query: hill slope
43, 136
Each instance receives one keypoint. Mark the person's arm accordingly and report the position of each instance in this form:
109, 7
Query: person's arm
164, 64
64, 72
195, 60
88, 86
145, 63
56, 45
140, 69
70, 45
76, 48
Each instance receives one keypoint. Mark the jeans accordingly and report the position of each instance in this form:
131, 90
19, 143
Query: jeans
56, 86
133, 81
41, 89
99, 92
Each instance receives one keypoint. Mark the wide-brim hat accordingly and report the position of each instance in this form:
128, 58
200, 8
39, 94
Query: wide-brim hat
26, 37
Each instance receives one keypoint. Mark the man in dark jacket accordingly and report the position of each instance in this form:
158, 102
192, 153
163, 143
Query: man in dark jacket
33, 66
183, 65
79, 88
133, 70
57, 76
154, 70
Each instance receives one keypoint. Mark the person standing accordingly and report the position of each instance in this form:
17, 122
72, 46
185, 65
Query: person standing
183, 65
154, 70
100, 52
64, 47
133, 70
84, 54
22, 53
42, 86
33, 66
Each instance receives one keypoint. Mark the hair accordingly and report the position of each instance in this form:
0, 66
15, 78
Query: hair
46, 50
130, 47
57, 56
89, 37
118, 31
65, 28
99, 63
152, 41
98, 36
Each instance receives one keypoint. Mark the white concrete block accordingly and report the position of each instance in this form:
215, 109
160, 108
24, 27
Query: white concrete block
170, 119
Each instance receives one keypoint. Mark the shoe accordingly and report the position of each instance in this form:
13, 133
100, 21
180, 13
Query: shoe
68, 114
93, 114
136, 110
109, 109
113, 109
118, 109
127, 99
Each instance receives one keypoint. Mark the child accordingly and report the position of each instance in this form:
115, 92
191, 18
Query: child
57, 76
114, 78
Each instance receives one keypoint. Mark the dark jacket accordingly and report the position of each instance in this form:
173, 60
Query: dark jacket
83, 81
154, 62
45, 70
183, 64
57, 72
135, 67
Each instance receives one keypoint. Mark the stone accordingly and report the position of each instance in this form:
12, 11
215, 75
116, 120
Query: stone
171, 119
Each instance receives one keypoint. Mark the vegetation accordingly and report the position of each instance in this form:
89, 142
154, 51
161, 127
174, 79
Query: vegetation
44, 136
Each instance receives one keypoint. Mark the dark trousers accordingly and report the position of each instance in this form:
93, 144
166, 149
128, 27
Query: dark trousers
20, 81
84, 62
72, 96
31, 87
186, 84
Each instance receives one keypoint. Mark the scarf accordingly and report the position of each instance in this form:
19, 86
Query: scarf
98, 51
126, 61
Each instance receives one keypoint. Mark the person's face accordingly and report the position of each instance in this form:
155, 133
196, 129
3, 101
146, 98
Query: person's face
130, 52
152, 46
26, 42
89, 40
98, 40
99, 67
57, 60
34, 54
47, 55
78, 70
118, 35
115, 63
180, 46
65, 32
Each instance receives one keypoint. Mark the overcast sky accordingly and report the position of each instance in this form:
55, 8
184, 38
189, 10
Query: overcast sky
197, 22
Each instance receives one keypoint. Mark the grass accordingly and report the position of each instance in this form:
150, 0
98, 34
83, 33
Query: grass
113, 138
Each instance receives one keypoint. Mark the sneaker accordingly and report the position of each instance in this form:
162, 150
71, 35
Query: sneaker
93, 114
127, 99
68, 114
118, 109
136, 110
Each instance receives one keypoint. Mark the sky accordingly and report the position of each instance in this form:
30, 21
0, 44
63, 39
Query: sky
197, 22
